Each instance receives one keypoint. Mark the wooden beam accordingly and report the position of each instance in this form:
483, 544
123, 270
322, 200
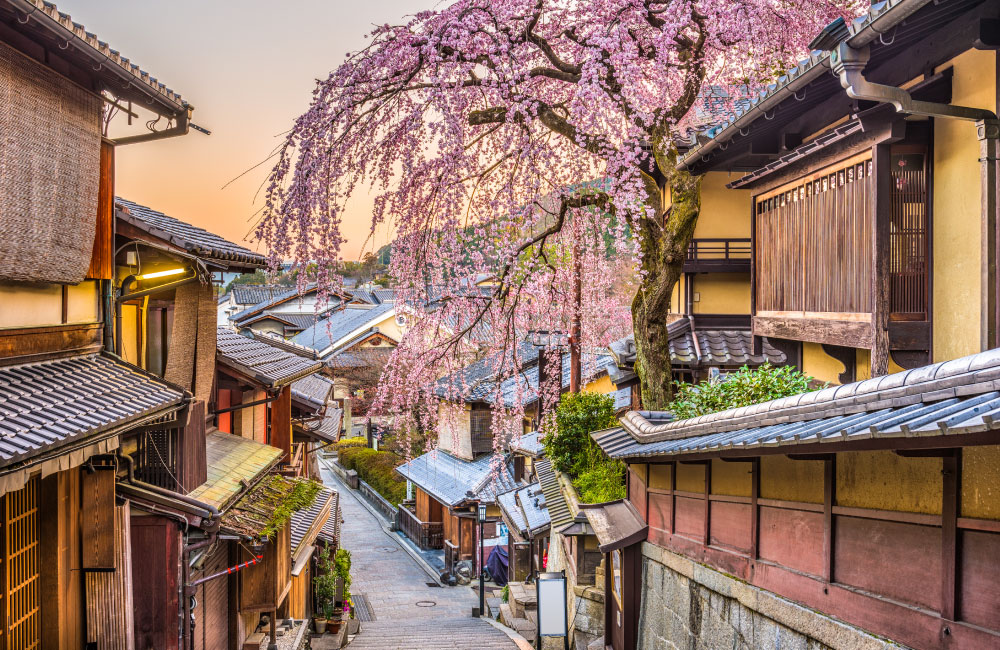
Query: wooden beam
815, 330
708, 503
909, 335
881, 216
823, 457
925, 453
848, 357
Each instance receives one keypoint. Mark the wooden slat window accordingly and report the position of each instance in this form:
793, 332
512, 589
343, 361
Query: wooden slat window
21, 602
156, 461
814, 242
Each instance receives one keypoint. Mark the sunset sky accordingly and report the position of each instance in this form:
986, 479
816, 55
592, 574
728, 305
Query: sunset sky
248, 67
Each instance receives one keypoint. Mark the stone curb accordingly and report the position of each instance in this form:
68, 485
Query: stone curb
421, 562
522, 643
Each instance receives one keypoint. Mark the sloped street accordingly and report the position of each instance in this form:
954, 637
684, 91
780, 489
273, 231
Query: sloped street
409, 612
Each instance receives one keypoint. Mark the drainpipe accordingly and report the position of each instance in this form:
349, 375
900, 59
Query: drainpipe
849, 63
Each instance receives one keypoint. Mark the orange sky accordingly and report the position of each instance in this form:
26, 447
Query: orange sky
248, 67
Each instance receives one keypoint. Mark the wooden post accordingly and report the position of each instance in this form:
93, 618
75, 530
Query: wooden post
988, 132
881, 207
754, 508
951, 498
708, 503
281, 423
829, 499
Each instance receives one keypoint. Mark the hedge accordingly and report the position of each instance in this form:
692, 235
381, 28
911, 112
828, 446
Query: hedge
376, 468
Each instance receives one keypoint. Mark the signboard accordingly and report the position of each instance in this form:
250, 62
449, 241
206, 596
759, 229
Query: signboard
551, 591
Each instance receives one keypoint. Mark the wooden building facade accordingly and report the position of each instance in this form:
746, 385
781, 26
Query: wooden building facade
867, 178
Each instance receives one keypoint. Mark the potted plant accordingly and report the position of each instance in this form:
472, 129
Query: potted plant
342, 570
325, 586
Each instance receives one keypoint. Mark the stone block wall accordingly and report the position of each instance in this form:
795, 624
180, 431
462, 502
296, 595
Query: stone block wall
688, 605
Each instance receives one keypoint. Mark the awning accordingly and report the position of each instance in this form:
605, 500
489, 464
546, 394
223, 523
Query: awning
617, 524
233, 464
56, 414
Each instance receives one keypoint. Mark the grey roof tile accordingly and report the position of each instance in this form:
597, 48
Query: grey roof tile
303, 520
196, 241
341, 323
254, 294
47, 404
448, 479
313, 390
555, 500
267, 363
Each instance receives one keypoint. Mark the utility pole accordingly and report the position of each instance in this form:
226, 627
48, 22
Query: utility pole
575, 334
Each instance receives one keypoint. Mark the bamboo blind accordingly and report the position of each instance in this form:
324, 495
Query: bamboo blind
50, 145
22, 627
814, 241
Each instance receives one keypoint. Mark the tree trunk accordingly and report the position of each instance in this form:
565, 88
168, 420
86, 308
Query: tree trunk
665, 233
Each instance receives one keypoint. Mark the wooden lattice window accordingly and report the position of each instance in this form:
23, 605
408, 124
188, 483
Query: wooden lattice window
157, 457
21, 627
480, 422
908, 234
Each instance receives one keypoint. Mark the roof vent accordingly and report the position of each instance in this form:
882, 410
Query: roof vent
831, 35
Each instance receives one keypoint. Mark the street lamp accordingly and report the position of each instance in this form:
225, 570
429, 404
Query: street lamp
482, 565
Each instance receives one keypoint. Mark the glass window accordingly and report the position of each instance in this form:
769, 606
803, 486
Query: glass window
616, 575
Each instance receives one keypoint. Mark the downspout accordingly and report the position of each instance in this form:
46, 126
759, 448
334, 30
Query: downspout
849, 63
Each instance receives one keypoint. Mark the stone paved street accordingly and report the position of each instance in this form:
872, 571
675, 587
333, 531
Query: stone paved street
409, 613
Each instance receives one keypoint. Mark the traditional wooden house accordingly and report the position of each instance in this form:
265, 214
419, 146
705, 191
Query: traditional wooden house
526, 516
312, 527
870, 504
443, 513
67, 399
867, 174
289, 312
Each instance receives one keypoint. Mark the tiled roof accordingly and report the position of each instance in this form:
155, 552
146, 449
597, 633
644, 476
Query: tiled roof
100, 56
308, 522
528, 443
259, 507
526, 508
47, 404
341, 324
555, 500
882, 17
329, 427
448, 479
293, 322
288, 295
254, 294
194, 240
276, 341
266, 363
384, 294
330, 532
313, 390
714, 348
950, 398
233, 462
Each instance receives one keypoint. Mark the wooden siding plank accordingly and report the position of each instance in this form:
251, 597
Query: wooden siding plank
102, 260
109, 593
98, 520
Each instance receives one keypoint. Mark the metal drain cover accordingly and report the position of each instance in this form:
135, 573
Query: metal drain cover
386, 549
426, 603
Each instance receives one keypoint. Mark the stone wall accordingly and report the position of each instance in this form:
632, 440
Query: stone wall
586, 604
688, 605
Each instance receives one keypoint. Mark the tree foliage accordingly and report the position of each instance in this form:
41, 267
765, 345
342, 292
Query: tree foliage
577, 416
741, 388
508, 137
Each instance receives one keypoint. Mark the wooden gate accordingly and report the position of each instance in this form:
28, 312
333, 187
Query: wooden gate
21, 628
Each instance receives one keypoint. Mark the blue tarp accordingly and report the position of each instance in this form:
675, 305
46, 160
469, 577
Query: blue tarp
496, 565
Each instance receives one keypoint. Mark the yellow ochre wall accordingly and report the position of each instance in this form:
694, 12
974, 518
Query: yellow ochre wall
957, 216
724, 212
38, 305
821, 366
981, 482
882, 480
600, 385
722, 293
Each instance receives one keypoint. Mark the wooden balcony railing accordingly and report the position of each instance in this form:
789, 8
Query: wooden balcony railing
297, 466
428, 535
720, 255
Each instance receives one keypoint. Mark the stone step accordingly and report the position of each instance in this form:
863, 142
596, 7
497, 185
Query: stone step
506, 614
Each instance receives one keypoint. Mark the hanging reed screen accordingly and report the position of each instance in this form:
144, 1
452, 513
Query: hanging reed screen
814, 242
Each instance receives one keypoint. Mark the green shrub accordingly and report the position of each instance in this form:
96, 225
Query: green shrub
577, 416
741, 388
602, 480
346, 443
376, 468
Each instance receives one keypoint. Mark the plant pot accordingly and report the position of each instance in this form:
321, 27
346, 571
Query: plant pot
320, 624
333, 626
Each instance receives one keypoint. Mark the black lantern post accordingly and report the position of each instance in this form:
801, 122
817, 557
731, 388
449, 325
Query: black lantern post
482, 564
